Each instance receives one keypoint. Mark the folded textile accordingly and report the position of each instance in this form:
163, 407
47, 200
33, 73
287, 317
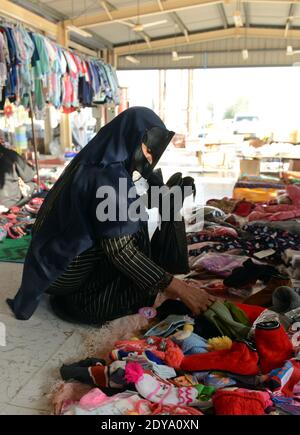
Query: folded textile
220, 264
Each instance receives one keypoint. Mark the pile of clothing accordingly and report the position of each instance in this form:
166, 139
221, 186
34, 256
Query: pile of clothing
235, 359
18, 221
31, 62
240, 357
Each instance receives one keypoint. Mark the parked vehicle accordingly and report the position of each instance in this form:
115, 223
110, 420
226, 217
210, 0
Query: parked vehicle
246, 124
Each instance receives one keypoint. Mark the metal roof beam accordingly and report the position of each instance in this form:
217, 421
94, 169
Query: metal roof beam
175, 18
156, 8
213, 35
223, 15
146, 9
246, 7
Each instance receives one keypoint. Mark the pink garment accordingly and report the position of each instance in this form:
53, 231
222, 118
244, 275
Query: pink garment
275, 216
220, 264
66, 393
93, 399
201, 245
68, 91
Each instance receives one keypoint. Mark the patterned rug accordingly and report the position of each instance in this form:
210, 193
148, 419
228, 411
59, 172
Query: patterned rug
14, 250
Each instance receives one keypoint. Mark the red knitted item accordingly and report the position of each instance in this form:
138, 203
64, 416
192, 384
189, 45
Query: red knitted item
251, 311
99, 375
241, 402
240, 359
273, 346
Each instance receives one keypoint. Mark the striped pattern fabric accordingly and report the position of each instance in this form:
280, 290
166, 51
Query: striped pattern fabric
113, 279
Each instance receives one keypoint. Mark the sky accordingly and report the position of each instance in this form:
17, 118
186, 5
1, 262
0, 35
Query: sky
273, 94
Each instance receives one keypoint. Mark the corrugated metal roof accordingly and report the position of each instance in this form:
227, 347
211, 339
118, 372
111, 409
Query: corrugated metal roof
201, 18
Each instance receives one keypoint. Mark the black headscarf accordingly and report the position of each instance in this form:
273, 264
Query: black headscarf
67, 224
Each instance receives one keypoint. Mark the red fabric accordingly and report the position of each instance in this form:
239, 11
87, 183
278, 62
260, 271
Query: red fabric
99, 375
251, 311
274, 348
243, 208
239, 360
241, 402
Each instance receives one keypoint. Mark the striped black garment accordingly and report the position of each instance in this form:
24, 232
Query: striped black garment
113, 279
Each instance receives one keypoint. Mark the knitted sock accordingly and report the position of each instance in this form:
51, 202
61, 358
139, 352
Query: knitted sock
241, 402
112, 376
240, 359
92, 372
152, 389
273, 346
79, 371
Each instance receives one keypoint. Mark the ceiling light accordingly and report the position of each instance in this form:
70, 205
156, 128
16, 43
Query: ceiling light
79, 31
237, 18
245, 54
132, 59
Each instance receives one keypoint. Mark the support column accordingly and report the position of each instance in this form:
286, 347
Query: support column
190, 102
65, 124
48, 130
162, 93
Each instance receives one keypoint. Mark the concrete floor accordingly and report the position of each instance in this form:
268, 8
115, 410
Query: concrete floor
35, 349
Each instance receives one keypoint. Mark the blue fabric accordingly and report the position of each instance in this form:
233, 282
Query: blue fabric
67, 225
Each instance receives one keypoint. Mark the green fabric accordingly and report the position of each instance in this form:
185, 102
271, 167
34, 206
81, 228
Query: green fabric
220, 316
205, 393
237, 314
14, 250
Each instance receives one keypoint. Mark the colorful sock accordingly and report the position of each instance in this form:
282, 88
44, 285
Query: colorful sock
273, 346
158, 392
92, 372
79, 371
112, 376
240, 359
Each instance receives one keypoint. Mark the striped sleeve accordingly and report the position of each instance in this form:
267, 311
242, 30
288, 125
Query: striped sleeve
126, 257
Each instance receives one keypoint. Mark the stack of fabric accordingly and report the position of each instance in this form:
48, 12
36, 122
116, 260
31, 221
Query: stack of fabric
31, 62
257, 188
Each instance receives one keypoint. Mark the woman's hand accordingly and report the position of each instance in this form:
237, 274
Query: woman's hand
191, 294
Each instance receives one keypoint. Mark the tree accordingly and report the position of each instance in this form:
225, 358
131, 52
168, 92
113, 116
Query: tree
241, 105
